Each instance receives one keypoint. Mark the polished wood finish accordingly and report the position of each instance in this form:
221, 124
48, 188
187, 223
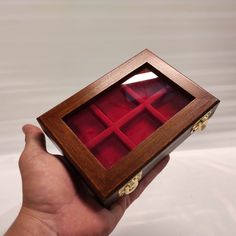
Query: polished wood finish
106, 182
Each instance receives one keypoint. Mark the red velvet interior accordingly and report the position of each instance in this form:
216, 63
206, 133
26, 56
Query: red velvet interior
141, 126
116, 103
122, 117
171, 103
85, 124
112, 145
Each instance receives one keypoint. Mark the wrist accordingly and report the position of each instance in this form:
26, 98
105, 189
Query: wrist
30, 222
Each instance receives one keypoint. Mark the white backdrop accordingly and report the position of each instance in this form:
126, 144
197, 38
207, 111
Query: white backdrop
51, 49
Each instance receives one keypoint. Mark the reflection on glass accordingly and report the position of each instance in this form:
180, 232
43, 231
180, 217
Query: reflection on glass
123, 116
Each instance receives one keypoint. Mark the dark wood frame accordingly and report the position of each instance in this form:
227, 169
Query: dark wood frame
105, 182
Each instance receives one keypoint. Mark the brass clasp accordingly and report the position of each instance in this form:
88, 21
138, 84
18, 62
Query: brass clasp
201, 124
131, 185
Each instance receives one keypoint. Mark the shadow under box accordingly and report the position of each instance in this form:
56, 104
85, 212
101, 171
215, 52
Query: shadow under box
123, 116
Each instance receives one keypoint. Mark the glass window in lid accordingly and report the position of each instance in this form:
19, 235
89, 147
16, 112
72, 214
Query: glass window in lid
120, 118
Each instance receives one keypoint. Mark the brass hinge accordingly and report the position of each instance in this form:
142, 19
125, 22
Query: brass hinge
201, 123
131, 185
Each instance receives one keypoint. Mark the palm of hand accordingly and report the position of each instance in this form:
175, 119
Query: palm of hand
50, 195
48, 189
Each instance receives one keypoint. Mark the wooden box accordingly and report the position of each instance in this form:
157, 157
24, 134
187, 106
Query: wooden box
118, 128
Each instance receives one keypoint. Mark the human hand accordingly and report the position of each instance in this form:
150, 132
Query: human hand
53, 205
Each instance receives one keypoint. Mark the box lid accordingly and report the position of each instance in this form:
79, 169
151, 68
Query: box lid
115, 126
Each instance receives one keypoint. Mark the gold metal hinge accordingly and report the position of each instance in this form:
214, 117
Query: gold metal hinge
131, 185
201, 123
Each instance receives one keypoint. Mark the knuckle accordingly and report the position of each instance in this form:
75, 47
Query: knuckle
21, 160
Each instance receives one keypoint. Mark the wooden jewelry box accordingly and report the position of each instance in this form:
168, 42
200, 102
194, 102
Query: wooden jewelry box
118, 128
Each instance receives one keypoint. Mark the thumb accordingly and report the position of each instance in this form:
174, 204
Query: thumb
34, 138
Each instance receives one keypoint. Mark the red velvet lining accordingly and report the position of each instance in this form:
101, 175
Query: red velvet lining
110, 150
141, 126
85, 124
171, 103
124, 116
115, 104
